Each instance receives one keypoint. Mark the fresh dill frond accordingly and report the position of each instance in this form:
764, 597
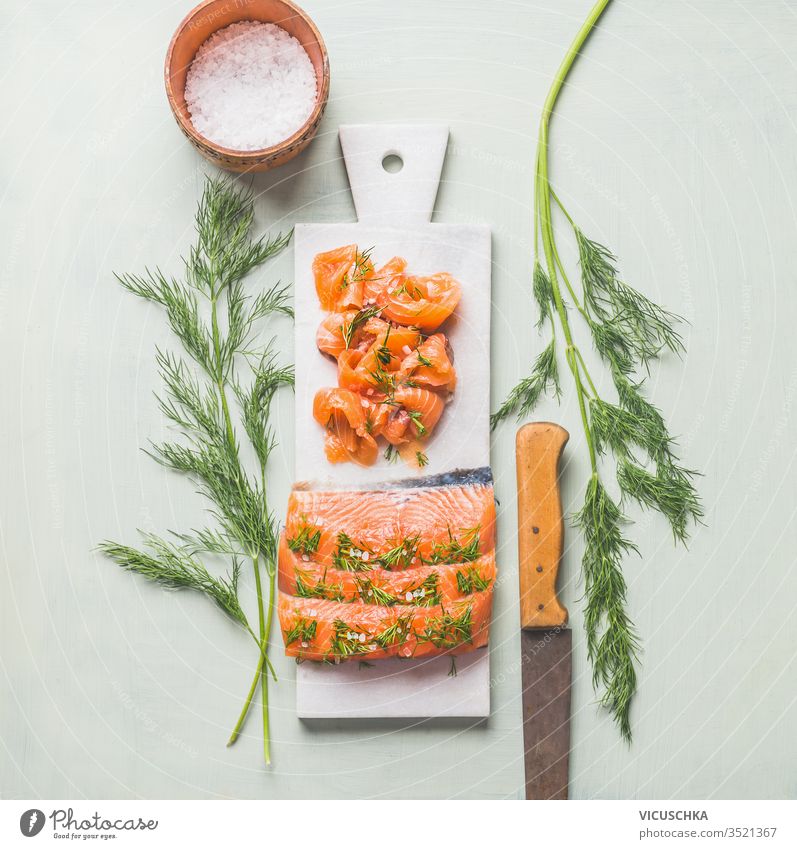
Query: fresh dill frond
415, 416
372, 593
256, 401
395, 634
362, 317
402, 554
523, 398
628, 331
302, 631
471, 581
421, 459
611, 638
452, 670
348, 640
462, 549
352, 557
425, 593
670, 491
320, 589
209, 541
645, 327
383, 353
306, 540
391, 454
448, 631
176, 567
217, 320
543, 293
384, 381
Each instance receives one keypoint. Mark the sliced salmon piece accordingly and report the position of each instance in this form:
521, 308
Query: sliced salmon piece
397, 425
376, 283
448, 520
339, 276
317, 629
423, 406
424, 302
424, 585
341, 412
351, 374
430, 364
329, 336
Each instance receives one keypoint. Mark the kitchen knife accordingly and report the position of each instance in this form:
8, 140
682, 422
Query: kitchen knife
545, 642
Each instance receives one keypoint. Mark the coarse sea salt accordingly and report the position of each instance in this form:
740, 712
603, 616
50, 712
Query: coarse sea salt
251, 85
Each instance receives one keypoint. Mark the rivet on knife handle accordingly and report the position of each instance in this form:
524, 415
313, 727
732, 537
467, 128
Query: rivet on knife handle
540, 524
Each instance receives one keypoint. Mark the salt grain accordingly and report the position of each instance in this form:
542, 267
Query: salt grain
251, 85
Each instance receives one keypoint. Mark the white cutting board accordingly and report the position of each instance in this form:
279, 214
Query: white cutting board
394, 211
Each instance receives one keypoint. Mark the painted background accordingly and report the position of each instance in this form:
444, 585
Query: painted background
675, 143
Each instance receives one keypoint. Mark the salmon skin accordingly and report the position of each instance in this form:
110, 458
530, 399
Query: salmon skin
385, 571
456, 477
395, 369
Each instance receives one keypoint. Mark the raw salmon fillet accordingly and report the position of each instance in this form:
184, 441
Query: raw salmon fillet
333, 631
423, 585
405, 571
379, 520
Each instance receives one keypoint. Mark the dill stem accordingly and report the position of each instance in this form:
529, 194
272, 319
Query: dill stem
263, 675
543, 219
220, 383
595, 392
247, 702
546, 227
214, 321
263, 678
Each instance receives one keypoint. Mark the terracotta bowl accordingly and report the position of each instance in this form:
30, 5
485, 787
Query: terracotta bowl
197, 27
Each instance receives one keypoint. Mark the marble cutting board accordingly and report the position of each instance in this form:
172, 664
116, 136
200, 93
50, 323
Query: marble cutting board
394, 212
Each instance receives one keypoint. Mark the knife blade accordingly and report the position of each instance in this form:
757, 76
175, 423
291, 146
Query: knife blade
545, 642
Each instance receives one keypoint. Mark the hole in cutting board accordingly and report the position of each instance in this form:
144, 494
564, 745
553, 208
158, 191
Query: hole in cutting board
392, 163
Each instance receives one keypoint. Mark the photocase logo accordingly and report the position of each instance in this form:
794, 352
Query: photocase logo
31, 822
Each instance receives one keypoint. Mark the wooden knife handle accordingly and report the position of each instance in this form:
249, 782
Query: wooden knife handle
540, 524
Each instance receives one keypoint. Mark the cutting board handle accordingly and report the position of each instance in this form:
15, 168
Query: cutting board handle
540, 524
399, 197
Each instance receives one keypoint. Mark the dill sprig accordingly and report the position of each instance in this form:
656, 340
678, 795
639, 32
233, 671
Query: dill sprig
306, 540
415, 417
523, 398
395, 634
302, 631
372, 593
384, 381
391, 454
352, 557
425, 593
176, 567
320, 589
462, 549
448, 631
629, 332
421, 459
612, 649
402, 554
362, 317
383, 353
217, 321
471, 581
348, 640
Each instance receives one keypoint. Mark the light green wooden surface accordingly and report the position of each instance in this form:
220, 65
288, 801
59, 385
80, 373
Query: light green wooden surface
675, 143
